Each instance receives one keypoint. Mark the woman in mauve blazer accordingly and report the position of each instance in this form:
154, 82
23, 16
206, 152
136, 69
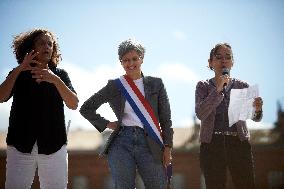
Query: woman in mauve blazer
222, 146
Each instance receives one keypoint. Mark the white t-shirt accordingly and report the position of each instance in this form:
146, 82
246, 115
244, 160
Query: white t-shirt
129, 117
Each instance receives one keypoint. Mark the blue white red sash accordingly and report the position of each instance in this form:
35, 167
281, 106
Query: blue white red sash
145, 113
141, 107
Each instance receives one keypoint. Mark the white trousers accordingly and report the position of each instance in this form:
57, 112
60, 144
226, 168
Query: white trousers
21, 167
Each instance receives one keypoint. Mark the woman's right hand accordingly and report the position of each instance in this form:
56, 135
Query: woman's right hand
223, 79
112, 125
7, 86
28, 60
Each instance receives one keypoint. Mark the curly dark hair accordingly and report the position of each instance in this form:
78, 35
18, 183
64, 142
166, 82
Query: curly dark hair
24, 43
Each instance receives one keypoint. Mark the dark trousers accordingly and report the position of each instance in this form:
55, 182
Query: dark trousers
227, 152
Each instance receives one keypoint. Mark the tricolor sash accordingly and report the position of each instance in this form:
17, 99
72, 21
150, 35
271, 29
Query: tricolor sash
141, 107
144, 112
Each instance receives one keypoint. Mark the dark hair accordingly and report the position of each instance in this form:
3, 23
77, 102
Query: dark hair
24, 43
215, 49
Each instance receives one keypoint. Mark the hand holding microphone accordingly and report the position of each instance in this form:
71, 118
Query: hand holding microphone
224, 79
226, 72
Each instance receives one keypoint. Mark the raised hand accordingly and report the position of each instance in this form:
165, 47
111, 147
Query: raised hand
223, 79
29, 61
257, 104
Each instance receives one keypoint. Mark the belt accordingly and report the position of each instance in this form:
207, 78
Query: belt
226, 133
133, 128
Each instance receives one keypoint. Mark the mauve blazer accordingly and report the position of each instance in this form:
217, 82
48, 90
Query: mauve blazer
156, 95
206, 101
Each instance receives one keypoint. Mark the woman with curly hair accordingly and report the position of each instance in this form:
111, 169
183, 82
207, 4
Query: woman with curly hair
36, 134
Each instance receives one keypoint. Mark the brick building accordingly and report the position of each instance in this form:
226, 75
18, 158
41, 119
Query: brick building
89, 171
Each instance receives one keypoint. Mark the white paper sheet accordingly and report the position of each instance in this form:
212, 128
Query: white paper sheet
241, 104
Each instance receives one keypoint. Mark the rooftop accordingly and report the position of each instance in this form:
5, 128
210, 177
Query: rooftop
84, 140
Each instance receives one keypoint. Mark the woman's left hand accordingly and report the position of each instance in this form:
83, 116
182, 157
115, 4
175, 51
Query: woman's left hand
257, 104
43, 75
167, 159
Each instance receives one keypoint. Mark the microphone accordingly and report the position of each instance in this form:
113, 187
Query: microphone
225, 71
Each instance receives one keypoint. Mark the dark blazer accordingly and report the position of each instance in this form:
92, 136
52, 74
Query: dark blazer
156, 95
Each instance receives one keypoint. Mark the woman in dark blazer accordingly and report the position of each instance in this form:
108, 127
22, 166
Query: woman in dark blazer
129, 147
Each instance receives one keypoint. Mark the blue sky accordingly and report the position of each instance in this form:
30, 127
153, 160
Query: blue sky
178, 36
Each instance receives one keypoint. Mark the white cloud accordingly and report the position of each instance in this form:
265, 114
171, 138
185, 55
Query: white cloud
180, 35
171, 72
177, 72
86, 82
89, 81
